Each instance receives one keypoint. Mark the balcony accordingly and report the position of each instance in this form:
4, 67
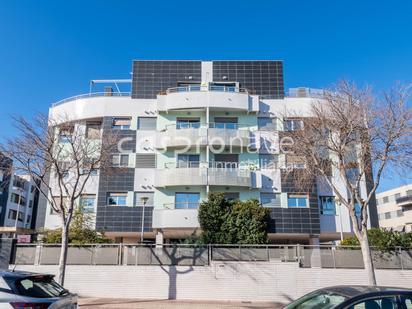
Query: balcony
404, 201
199, 174
175, 218
196, 134
181, 176
214, 97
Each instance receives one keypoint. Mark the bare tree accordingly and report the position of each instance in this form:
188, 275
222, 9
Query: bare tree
349, 140
63, 156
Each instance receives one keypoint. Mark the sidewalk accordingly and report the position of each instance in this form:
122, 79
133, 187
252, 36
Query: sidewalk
99, 303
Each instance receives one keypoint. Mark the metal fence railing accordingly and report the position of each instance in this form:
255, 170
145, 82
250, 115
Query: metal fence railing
200, 255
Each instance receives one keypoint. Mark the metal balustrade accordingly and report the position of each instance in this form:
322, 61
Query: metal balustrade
324, 256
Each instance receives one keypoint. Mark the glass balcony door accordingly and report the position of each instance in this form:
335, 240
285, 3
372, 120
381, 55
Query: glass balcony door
188, 160
187, 123
186, 200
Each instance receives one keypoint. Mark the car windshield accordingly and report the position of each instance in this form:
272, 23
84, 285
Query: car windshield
40, 287
317, 300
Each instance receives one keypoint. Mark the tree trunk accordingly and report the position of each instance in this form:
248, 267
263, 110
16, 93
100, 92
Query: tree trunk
63, 254
367, 258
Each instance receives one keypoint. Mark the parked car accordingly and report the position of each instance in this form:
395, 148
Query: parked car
355, 297
20, 290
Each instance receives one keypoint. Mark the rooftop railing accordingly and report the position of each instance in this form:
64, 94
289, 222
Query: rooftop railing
92, 95
194, 88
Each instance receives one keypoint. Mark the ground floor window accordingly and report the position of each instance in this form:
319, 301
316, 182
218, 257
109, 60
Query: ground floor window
298, 200
116, 199
87, 203
327, 205
187, 200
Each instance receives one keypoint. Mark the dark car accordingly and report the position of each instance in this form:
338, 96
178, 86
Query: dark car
355, 297
20, 289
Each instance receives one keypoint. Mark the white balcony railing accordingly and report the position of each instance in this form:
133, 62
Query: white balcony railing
202, 173
198, 134
175, 218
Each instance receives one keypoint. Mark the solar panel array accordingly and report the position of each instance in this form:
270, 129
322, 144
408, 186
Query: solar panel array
264, 78
153, 77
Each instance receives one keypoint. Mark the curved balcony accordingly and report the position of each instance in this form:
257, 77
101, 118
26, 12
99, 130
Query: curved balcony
214, 97
197, 135
199, 174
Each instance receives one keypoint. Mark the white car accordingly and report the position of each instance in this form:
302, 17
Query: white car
24, 290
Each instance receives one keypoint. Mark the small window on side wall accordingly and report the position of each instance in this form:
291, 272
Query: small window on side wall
121, 123
93, 130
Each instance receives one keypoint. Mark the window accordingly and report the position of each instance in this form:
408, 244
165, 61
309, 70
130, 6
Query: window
295, 162
146, 123
93, 130
388, 302
270, 199
225, 123
188, 160
231, 196
139, 198
388, 215
327, 205
21, 217
385, 199
30, 203
268, 161
65, 134
297, 200
145, 160
226, 160
267, 124
41, 286
399, 213
319, 300
409, 193
397, 195
28, 219
87, 203
187, 200
116, 199
17, 199
186, 123
12, 214
120, 160
121, 123
292, 124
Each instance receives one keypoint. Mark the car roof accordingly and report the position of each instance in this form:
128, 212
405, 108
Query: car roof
356, 290
18, 274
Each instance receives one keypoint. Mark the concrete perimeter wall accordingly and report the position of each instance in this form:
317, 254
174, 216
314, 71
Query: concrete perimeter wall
248, 281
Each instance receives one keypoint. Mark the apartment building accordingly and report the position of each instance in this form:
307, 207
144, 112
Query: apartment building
395, 208
18, 202
189, 128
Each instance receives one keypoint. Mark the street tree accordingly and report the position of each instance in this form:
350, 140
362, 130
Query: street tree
350, 139
63, 156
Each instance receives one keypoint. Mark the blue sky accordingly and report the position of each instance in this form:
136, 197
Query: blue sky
49, 50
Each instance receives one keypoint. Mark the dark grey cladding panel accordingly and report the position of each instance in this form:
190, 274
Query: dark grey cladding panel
264, 78
114, 180
296, 220
152, 77
123, 219
119, 139
5, 163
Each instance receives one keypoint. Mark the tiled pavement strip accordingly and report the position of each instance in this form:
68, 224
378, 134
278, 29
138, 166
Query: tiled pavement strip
99, 303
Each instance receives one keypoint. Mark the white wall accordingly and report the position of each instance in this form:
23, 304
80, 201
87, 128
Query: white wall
246, 281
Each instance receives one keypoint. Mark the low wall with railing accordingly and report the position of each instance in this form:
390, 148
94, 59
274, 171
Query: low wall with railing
195, 255
219, 272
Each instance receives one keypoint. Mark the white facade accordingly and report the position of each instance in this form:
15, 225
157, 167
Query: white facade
395, 208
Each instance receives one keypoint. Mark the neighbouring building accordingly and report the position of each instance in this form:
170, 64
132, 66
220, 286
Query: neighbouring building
18, 203
193, 127
395, 208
